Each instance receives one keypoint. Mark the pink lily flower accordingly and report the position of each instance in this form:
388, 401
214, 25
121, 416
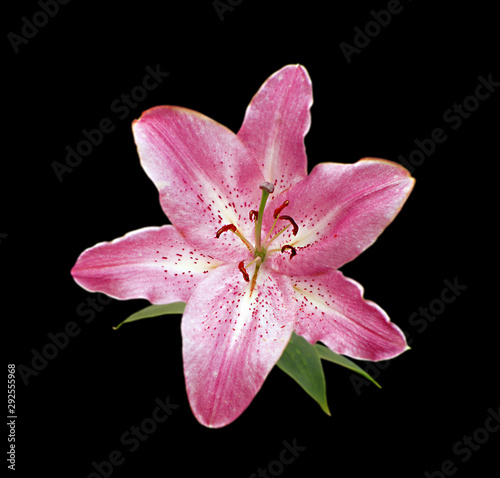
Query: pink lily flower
255, 243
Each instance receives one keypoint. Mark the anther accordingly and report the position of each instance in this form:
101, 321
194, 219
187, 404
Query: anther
294, 224
279, 209
241, 267
228, 227
292, 249
254, 215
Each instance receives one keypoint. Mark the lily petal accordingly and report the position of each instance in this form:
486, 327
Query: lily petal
332, 310
340, 209
206, 177
275, 124
232, 338
153, 263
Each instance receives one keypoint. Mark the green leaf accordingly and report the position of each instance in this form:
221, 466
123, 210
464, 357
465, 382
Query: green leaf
154, 311
327, 354
302, 362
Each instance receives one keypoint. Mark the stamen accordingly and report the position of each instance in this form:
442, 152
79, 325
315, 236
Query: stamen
294, 224
253, 215
228, 227
232, 228
277, 235
278, 210
257, 261
292, 249
241, 267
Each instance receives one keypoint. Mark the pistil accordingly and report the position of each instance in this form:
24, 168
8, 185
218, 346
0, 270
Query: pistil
267, 189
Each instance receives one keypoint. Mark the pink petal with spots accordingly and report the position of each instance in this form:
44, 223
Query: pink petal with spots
276, 122
332, 310
232, 338
340, 209
206, 177
154, 263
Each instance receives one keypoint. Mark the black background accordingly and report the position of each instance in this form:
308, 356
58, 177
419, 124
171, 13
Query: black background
393, 91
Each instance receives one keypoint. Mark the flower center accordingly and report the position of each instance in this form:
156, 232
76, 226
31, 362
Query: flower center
261, 248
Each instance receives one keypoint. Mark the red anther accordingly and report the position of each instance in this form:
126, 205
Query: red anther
294, 224
241, 267
228, 227
254, 215
279, 209
292, 249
